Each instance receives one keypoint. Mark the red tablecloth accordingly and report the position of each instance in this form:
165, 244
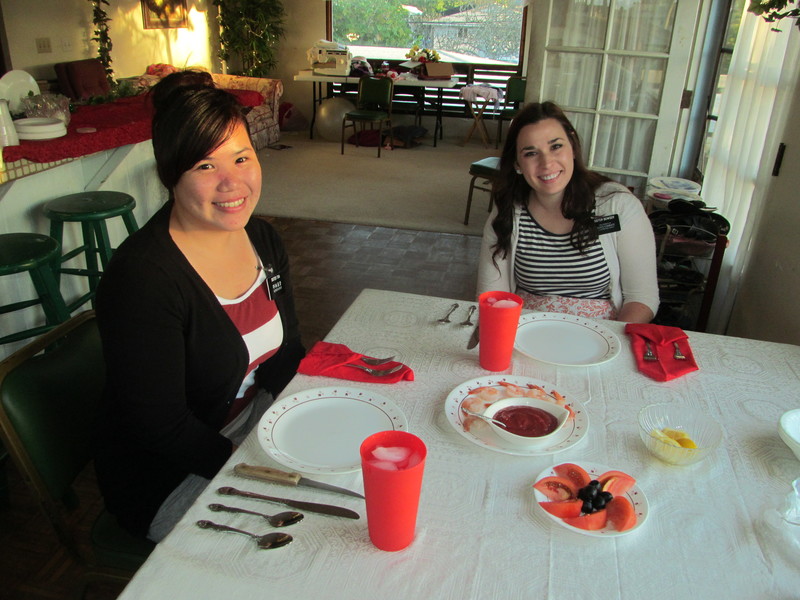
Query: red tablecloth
119, 123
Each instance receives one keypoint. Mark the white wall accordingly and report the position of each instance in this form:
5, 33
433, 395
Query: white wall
68, 24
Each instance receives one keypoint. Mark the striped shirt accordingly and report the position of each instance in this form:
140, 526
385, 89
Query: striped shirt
257, 319
546, 264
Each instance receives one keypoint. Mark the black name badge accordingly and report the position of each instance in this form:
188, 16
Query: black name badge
274, 283
607, 224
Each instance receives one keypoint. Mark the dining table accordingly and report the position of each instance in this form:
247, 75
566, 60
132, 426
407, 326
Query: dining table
704, 531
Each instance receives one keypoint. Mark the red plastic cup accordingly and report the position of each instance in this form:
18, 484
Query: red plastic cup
392, 496
498, 329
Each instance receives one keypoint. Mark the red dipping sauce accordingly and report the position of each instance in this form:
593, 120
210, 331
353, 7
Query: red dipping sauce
526, 421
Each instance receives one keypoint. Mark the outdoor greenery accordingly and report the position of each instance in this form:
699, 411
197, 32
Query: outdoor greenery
775, 10
250, 33
101, 36
483, 28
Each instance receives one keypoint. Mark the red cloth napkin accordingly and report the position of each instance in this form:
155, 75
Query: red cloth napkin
661, 338
330, 360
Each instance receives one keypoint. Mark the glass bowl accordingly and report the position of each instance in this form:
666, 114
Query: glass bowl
704, 431
559, 412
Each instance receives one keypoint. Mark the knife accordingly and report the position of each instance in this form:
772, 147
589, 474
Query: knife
323, 509
473, 341
278, 476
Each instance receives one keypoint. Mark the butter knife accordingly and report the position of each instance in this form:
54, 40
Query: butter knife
323, 509
473, 341
295, 479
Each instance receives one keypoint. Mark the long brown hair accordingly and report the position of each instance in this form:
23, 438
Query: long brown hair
511, 189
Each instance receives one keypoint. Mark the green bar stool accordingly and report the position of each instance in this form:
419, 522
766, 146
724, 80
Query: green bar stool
36, 254
487, 169
91, 210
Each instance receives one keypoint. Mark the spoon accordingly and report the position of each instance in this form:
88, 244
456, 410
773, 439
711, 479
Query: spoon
485, 418
265, 542
283, 519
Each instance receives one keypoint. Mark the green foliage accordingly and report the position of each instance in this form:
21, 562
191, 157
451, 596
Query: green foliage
250, 32
775, 10
102, 37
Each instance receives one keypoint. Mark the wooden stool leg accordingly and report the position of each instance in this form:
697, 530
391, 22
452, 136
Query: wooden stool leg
57, 233
130, 222
55, 310
469, 199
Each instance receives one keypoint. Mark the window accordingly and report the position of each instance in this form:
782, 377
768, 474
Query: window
462, 31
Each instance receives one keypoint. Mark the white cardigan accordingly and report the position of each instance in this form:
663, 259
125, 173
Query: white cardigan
630, 253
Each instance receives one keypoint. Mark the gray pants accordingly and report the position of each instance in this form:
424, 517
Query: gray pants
183, 496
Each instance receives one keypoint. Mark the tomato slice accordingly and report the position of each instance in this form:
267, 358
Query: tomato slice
616, 482
593, 521
576, 474
557, 488
621, 513
567, 508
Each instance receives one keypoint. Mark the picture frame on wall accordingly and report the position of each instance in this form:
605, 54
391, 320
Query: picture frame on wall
164, 14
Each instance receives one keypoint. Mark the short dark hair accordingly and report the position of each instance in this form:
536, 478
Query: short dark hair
191, 120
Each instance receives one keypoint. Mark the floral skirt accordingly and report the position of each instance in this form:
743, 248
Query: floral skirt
581, 307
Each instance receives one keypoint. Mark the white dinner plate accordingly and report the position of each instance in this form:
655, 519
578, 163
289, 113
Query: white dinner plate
321, 430
480, 433
38, 124
14, 86
675, 183
565, 340
635, 495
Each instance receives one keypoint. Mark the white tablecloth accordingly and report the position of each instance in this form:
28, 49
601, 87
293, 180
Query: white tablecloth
480, 534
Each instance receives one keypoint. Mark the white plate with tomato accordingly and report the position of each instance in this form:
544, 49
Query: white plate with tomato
478, 394
558, 493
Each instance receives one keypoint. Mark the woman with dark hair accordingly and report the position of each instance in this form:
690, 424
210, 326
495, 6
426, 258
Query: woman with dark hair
563, 237
196, 316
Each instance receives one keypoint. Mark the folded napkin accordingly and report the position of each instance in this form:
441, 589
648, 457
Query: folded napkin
330, 360
661, 338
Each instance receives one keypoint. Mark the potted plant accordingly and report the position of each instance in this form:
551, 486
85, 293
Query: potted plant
101, 36
775, 10
250, 32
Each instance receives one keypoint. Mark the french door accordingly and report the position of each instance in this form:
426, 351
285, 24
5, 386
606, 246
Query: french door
618, 68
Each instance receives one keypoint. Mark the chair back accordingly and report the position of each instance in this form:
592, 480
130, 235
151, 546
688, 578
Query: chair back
48, 403
515, 90
82, 79
375, 93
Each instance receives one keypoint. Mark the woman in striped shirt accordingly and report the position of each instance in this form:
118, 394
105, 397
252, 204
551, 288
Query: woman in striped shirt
565, 238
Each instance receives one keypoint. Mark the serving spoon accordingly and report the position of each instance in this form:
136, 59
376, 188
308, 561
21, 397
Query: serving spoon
284, 519
265, 542
485, 418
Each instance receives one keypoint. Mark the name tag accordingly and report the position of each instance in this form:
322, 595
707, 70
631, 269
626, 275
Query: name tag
274, 283
607, 224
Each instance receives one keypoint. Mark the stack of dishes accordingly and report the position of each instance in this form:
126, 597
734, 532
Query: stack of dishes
40, 128
662, 190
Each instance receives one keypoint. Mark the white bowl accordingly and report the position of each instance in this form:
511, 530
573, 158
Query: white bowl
559, 412
789, 430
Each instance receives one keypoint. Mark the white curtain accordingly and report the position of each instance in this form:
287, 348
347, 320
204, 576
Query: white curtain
761, 78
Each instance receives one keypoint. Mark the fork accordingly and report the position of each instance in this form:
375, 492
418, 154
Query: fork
376, 361
446, 318
377, 372
678, 354
648, 352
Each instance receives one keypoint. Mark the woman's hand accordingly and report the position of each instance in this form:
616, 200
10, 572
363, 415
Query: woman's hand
635, 312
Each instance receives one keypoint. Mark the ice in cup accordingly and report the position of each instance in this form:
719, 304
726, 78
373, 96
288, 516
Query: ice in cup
498, 317
392, 463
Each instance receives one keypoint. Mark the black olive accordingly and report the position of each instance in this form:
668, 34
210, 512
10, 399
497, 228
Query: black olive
607, 495
587, 507
587, 493
599, 502
594, 483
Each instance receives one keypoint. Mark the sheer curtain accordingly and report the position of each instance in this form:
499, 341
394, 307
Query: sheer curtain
762, 75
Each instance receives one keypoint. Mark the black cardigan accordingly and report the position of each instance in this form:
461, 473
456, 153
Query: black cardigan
174, 363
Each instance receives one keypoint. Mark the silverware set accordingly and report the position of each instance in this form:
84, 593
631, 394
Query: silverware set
466, 322
651, 356
376, 362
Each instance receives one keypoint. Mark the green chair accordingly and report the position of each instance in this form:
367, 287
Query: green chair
91, 210
513, 97
374, 105
35, 254
487, 169
48, 404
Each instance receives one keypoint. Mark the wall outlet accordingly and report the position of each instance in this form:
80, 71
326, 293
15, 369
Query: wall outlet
66, 45
43, 45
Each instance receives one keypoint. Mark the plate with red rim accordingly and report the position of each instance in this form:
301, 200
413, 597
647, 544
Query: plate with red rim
635, 495
481, 433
